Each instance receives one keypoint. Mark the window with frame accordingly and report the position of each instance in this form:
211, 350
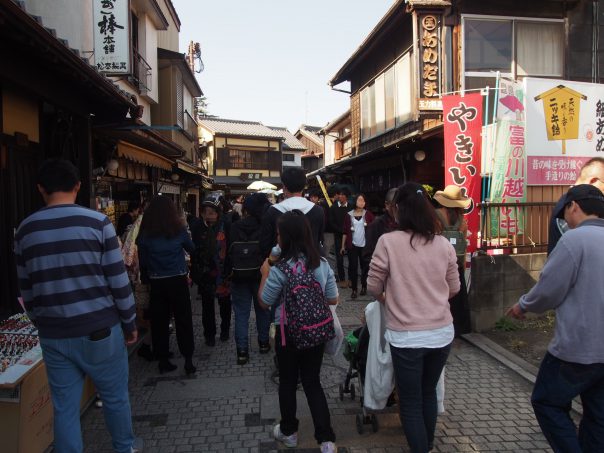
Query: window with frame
180, 107
515, 47
242, 159
288, 157
386, 102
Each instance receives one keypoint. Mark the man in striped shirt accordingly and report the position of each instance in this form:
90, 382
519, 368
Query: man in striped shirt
76, 291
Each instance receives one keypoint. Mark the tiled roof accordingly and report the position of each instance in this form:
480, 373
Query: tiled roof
237, 127
291, 142
311, 132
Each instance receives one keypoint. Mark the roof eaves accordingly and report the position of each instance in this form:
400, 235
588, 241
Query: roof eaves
20, 9
179, 58
338, 77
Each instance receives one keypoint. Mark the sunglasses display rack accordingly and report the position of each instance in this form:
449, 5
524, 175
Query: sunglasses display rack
18, 324
19, 342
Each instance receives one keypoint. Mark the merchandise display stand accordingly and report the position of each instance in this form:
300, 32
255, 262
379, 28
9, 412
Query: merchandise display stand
26, 414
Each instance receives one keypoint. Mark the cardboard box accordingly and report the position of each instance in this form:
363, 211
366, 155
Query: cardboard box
26, 413
26, 420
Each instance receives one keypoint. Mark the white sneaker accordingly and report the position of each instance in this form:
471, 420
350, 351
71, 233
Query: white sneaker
289, 441
328, 447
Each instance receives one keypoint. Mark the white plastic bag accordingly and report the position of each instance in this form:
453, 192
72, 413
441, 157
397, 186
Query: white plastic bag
440, 393
333, 346
379, 371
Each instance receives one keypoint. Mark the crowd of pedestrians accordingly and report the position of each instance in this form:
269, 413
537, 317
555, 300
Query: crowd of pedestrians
80, 292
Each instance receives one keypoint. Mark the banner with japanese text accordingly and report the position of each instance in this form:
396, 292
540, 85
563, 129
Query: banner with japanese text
111, 29
564, 128
462, 131
508, 183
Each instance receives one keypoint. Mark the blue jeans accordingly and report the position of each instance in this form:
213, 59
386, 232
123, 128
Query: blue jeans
417, 371
243, 294
558, 382
67, 361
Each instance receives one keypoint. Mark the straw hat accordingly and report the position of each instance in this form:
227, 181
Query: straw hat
451, 197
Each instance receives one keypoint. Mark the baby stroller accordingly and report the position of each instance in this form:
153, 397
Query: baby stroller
356, 346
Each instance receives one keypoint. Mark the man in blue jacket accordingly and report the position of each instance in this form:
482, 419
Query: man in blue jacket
76, 291
571, 283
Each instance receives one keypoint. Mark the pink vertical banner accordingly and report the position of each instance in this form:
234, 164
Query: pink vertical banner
462, 117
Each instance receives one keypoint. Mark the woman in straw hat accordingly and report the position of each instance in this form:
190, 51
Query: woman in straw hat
451, 204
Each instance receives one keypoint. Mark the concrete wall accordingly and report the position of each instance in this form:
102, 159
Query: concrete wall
497, 283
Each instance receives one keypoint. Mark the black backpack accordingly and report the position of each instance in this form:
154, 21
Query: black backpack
246, 257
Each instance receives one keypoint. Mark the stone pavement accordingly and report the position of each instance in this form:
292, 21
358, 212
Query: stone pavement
231, 408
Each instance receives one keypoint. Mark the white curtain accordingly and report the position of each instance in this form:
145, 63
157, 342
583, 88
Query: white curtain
539, 48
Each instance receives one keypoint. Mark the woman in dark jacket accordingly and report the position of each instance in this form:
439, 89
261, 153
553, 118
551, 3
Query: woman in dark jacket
162, 241
245, 234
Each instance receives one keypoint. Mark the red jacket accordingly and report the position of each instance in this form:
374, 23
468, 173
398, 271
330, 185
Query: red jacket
348, 224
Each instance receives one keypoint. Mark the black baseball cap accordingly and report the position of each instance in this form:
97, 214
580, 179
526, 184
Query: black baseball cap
581, 192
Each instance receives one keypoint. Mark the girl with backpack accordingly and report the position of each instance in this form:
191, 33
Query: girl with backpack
413, 272
300, 278
450, 211
244, 261
353, 241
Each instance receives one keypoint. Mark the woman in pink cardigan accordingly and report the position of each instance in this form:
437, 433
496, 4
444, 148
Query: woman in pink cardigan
413, 272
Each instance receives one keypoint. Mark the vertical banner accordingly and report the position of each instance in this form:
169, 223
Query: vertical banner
509, 178
462, 127
111, 30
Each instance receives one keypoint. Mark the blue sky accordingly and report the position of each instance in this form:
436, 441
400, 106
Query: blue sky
270, 60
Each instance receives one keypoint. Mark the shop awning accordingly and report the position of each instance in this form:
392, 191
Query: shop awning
184, 166
142, 156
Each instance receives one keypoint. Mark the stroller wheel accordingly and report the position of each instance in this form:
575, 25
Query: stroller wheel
374, 423
359, 423
352, 391
341, 387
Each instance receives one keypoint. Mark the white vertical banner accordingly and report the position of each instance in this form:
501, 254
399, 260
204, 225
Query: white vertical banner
111, 28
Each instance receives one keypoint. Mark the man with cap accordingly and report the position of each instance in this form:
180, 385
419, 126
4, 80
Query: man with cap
592, 173
210, 237
571, 283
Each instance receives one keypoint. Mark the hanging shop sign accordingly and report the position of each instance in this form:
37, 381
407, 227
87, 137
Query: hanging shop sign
430, 78
462, 116
564, 128
111, 27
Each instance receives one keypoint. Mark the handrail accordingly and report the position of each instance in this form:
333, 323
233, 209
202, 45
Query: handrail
142, 74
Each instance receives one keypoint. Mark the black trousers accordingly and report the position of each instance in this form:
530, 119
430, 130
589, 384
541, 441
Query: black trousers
171, 295
460, 306
208, 311
355, 256
307, 364
337, 237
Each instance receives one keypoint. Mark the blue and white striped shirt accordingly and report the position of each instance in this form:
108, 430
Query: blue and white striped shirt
71, 272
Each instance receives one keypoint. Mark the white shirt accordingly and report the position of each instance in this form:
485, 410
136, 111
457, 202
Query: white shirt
435, 338
358, 230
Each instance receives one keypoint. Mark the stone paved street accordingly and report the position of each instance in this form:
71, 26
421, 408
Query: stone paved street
231, 408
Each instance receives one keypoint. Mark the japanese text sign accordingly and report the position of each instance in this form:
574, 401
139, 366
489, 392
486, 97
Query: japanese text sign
462, 129
509, 178
111, 25
564, 127
429, 29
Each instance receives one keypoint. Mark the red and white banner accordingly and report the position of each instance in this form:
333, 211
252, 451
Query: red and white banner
462, 117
